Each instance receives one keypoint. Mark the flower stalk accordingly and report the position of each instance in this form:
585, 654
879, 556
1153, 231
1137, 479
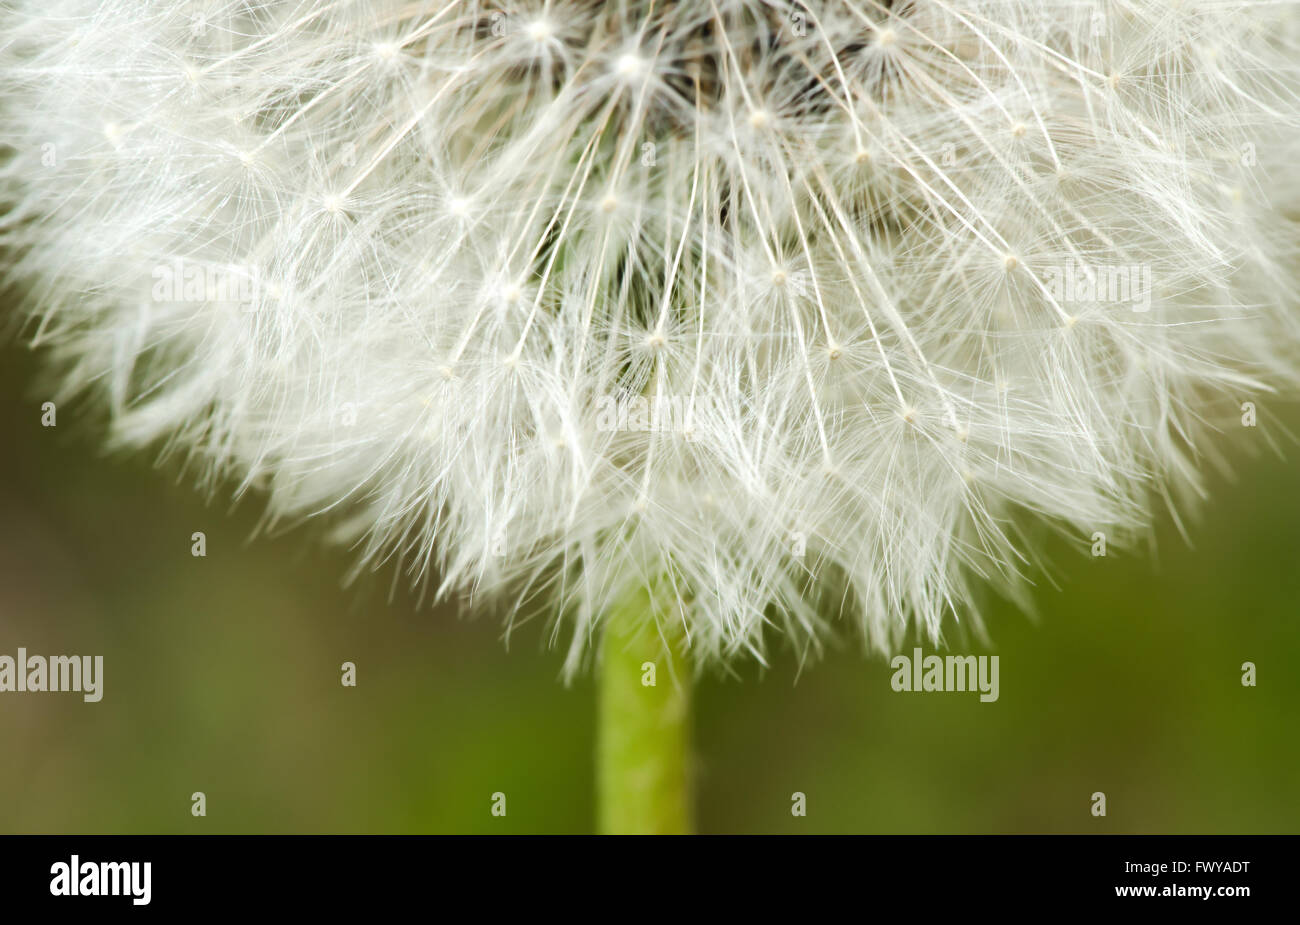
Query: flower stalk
643, 739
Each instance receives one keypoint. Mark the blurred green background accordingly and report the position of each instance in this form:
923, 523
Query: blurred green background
222, 675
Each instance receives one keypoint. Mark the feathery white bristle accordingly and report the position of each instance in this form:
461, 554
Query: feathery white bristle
784, 306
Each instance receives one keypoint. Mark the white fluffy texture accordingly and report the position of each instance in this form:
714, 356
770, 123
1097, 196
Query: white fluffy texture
841, 247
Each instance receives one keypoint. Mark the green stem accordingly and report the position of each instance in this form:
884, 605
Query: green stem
643, 738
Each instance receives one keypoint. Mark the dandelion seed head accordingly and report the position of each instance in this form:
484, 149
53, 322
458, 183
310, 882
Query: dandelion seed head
621, 294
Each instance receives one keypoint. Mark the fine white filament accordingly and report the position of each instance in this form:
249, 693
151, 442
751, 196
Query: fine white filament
789, 309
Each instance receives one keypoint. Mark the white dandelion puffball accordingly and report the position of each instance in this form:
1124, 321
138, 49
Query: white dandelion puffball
789, 308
